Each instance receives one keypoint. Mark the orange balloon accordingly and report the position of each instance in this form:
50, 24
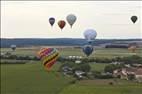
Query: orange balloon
61, 24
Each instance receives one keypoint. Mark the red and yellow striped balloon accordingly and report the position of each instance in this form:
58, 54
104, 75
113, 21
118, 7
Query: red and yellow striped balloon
48, 56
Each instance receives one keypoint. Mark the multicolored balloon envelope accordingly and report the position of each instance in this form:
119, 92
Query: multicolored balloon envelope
48, 56
88, 49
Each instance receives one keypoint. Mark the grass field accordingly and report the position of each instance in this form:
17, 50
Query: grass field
32, 78
102, 87
97, 66
98, 52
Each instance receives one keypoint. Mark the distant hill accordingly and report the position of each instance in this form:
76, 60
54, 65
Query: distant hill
20, 42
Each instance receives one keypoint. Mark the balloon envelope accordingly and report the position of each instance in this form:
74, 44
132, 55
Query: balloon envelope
61, 24
88, 49
13, 47
134, 19
71, 19
51, 21
90, 34
132, 48
48, 56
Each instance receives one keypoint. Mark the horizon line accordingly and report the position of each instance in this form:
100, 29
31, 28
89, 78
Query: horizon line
77, 38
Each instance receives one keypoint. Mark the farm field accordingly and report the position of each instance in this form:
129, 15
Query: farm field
32, 78
103, 87
98, 52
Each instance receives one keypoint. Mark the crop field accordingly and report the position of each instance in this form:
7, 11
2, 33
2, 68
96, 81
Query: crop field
103, 87
32, 78
98, 52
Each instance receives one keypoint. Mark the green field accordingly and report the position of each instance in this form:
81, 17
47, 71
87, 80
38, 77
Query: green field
98, 52
97, 66
32, 78
103, 87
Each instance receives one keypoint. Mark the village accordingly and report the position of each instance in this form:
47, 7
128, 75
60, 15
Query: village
118, 70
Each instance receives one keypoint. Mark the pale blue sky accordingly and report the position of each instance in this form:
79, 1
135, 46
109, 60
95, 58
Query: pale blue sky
111, 19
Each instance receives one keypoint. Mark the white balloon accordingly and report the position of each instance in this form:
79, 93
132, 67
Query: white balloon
71, 19
13, 46
90, 34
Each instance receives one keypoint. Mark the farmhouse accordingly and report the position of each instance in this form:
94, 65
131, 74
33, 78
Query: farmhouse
124, 73
74, 57
138, 75
67, 70
115, 63
79, 74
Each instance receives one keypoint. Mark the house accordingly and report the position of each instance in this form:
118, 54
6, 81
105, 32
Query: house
115, 63
124, 73
74, 57
127, 65
79, 74
67, 70
137, 65
2, 54
120, 74
138, 75
77, 61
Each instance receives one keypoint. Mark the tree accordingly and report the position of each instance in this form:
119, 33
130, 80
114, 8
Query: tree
96, 74
83, 67
133, 59
110, 68
131, 76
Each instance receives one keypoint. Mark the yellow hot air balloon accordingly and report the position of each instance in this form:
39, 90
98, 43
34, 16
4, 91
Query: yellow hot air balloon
48, 56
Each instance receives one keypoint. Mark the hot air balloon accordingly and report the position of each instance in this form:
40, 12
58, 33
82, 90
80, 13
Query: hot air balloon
61, 24
88, 49
90, 35
71, 19
13, 47
134, 19
48, 56
132, 49
51, 21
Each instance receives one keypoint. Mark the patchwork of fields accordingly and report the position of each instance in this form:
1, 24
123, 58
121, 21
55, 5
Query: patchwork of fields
98, 52
32, 78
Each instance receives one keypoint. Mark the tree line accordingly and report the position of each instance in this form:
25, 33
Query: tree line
134, 59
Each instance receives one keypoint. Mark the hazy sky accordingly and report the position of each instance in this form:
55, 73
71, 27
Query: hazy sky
111, 19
